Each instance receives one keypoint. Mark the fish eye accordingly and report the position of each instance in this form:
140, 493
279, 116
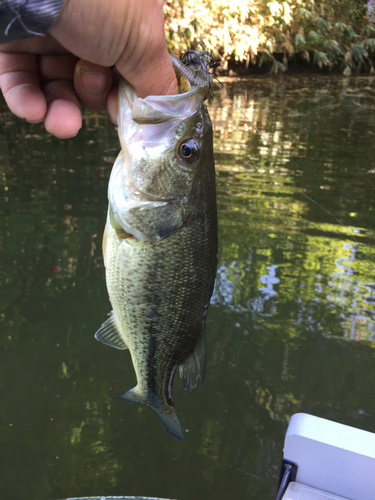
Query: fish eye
188, 151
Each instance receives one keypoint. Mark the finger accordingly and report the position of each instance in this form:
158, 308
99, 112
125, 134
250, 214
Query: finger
20, 84
56, 67
93, 84
45, 44
153, 77
112, 105
63, 118
147, 65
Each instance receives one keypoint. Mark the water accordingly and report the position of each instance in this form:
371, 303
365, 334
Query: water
291, 326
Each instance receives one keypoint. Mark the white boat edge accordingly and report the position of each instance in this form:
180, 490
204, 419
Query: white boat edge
335, 460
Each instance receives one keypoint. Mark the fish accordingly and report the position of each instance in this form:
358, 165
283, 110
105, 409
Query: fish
160, 243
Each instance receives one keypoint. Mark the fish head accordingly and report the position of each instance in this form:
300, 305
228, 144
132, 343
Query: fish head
166, 143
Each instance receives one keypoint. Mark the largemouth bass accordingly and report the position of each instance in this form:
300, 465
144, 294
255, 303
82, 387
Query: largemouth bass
160, 242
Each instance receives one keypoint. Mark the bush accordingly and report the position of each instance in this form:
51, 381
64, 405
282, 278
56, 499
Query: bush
337, 32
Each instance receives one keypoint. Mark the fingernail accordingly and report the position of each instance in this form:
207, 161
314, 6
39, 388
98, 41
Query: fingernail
94, 82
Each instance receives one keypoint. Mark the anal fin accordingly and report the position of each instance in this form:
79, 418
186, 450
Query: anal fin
108, 333
194, 365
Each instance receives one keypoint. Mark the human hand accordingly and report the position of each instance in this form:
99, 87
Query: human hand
80, 59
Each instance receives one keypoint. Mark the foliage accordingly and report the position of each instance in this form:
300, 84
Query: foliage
337, 32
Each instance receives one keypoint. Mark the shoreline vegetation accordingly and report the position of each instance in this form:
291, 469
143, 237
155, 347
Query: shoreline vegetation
277, 36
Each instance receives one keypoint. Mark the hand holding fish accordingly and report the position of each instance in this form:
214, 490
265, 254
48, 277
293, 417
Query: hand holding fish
47, 78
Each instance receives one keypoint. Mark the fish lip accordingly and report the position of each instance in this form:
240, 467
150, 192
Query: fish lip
173, 98
170, 107
143, 111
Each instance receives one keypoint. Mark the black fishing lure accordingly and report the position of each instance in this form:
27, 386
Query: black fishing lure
200, 61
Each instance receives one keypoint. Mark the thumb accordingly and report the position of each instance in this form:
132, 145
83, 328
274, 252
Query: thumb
145, 62
153, 76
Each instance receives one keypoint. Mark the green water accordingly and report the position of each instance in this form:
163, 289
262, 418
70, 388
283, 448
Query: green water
291, 327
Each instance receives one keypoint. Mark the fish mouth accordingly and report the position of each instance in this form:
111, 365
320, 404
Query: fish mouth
155, 109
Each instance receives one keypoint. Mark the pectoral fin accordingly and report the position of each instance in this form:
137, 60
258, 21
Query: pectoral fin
195, 365
108, 333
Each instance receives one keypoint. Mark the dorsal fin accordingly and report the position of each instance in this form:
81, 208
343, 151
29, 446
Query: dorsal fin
194, 365
108, 333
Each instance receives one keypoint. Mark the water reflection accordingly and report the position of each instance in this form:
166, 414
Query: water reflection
299, 254
330, 291
291, 327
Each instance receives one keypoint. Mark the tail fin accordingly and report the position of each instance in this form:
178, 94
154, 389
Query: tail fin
169, 419
167, 415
